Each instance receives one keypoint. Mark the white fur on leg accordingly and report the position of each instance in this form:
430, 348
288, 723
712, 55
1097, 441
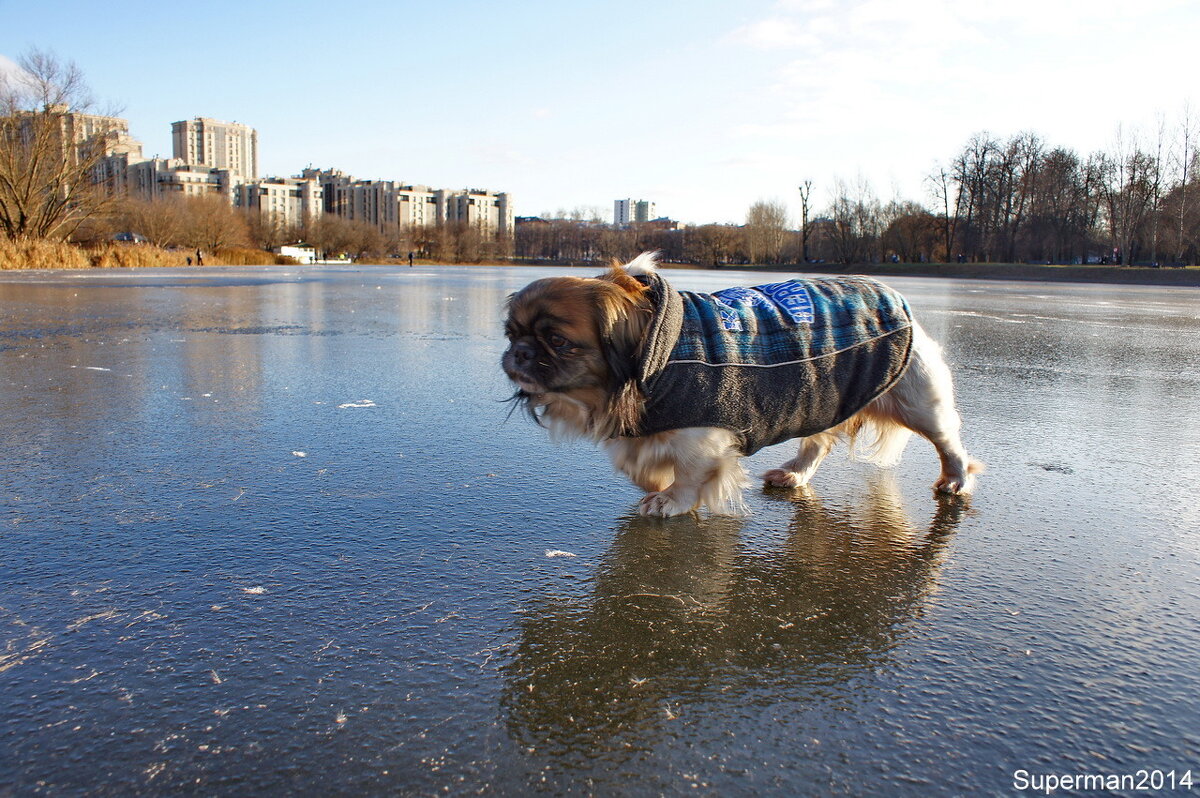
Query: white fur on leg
682, 470
923, 401
799, 470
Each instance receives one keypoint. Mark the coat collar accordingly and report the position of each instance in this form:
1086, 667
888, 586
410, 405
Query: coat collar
664, 329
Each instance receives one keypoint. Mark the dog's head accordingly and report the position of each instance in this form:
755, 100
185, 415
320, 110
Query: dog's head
573, 346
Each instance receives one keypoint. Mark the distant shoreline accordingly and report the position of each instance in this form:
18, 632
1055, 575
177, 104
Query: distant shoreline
1104, 275
1111, 275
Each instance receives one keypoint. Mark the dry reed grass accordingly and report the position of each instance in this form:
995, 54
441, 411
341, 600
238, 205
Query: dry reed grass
35, 254
40, 254
119, 256
244, 256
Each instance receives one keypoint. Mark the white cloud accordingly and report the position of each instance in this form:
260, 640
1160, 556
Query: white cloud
806, 6
775, 33
890, 86
9, 69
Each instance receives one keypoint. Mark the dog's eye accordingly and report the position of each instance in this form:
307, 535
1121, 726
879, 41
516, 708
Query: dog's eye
557, 341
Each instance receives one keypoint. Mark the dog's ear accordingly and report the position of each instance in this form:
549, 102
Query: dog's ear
625, 397
623, 313
623, 325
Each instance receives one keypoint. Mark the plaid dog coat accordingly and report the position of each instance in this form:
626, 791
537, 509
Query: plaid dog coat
773, 362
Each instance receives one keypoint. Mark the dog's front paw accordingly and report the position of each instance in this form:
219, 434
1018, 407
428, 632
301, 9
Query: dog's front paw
662, 505
782, 478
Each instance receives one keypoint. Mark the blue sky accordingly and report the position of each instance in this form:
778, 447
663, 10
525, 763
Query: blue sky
703, 107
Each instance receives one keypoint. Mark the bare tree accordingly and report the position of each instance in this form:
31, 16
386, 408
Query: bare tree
1016, 172
805, 192
332, 235
163, 222
268, 231
212, 223
1128, 187
856, 216
1184, 158
366, 241
48, 149
329, 235
947, 193
970, 172
766, 231
910, 232
1157, 164
712, 244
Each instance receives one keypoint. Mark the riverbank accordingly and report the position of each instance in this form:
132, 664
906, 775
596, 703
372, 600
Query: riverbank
1121, 275
49, 255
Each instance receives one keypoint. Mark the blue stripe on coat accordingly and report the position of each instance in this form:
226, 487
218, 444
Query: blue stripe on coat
785, 322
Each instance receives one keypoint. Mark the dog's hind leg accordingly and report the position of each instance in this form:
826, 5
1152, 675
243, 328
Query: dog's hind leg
799, 470
923, 400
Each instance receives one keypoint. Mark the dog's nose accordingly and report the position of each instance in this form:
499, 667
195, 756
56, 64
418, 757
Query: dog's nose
523, 353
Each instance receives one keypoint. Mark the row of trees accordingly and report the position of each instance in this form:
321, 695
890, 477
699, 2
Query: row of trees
575, 239
1009, 200
1020, 199
210, 223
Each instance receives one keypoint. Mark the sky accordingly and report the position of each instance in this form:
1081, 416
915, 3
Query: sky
702, 107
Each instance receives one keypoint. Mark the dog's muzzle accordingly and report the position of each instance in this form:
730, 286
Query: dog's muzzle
517, 362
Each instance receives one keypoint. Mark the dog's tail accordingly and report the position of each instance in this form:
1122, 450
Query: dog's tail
646, 263
876, 439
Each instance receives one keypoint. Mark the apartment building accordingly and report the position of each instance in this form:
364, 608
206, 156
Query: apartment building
488, 211
417, 206
631, 211
156, 178
370, 201
212, 157
102, 143
283, 201
389, 205
80, 131
217, 145
120, 149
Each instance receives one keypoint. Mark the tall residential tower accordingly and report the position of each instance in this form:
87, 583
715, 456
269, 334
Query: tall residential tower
217, 145
630, 211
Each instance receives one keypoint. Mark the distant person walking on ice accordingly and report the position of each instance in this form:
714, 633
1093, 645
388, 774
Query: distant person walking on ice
199, 258
410, 258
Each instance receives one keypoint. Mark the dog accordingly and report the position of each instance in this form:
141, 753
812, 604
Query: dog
678, 386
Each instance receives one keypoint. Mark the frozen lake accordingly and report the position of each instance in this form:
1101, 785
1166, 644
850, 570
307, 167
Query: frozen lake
267, 531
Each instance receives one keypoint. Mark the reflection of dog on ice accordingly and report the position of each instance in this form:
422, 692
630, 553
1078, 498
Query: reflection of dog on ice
675, 602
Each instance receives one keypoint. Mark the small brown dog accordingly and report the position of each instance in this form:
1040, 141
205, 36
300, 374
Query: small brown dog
678, 386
